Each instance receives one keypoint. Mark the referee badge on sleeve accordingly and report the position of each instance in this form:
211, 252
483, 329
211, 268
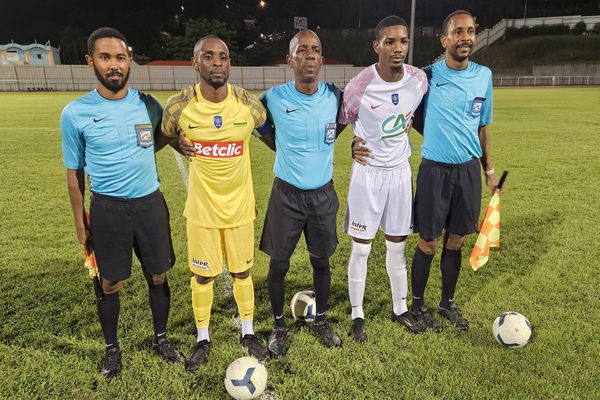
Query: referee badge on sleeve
145, 137
476, 106
330, 129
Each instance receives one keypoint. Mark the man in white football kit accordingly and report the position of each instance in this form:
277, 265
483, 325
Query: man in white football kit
380, 102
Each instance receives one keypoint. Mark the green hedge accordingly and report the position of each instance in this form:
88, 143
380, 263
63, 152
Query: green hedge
539, 30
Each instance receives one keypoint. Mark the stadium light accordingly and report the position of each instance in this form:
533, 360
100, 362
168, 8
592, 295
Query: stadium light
412, 32
262, 3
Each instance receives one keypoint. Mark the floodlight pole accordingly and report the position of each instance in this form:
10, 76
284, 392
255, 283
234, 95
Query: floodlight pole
412, 32
525, 14
359, 12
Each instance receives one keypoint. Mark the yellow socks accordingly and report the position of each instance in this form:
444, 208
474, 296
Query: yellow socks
243, 292
202, 300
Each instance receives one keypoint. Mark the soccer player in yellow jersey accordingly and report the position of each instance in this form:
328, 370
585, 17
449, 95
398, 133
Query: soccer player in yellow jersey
218, 118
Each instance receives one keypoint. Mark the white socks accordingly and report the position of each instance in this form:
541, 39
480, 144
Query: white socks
395, 264
247, 328
202, 335
357, 277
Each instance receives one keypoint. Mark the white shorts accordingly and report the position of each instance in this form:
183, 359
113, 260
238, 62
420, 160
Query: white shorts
379, 198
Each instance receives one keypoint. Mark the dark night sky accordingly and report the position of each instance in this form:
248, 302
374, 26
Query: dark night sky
24, 21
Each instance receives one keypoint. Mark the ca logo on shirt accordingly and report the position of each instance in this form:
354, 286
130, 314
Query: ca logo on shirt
395, 125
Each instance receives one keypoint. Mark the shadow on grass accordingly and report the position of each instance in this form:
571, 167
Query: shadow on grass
523, 242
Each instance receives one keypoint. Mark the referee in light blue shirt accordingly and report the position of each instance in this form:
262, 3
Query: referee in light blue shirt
303, 198
109, 134
456, 111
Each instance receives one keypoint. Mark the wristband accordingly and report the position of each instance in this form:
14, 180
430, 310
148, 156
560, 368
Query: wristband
490, 172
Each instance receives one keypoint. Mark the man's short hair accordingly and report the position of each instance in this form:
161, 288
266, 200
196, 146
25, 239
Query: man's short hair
198, 44
391, 20
446, 22
294, 40
101, 33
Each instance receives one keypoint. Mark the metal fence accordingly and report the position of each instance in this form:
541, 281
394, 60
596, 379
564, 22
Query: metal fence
81, 77
546, 80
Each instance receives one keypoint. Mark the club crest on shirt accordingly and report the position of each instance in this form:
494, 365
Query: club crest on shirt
330, 129
395, 99
476, 106
145, 138
218, 121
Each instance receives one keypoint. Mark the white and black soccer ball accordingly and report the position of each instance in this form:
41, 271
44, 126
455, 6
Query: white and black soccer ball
512, 330
304, 306
245, 378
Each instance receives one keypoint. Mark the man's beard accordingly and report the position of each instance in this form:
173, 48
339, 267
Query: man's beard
114, 87
216, 84
459, 58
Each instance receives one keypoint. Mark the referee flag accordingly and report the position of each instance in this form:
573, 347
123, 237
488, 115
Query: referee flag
489, 230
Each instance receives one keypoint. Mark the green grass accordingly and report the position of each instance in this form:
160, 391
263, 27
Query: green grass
546, 269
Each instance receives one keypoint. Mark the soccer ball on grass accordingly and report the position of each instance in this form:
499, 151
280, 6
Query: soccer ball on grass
245, 378
304, 306
512, 330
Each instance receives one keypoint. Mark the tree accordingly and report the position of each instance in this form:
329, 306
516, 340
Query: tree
579, 28
181, 47
73, 46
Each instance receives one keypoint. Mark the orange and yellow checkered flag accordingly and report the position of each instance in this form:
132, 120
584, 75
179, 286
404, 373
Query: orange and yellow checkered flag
489, 230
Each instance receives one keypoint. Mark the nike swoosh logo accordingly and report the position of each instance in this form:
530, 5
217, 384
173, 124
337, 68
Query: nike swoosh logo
441, 84
249, 261
100, 119
190, 126
287, 110
374, 107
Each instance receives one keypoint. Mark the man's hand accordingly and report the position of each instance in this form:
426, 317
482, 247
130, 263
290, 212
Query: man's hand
359, 152
186, 147
492, 184
84, 236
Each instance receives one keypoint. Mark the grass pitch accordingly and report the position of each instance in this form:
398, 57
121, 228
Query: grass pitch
546, 269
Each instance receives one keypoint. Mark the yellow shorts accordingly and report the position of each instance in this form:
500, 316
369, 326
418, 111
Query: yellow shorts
209, 247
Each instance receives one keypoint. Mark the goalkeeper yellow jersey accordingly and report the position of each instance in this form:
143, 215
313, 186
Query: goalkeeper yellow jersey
220, 190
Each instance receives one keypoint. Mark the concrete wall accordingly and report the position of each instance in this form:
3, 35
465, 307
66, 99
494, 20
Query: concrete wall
81, 77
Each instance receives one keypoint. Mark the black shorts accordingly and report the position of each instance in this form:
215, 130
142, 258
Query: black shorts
292, 211
448, 197
119, 225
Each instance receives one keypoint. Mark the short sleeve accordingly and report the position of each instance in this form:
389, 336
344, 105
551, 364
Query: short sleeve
350, 105
73, 144
169, 126
267, 127
487, 112
173, 109
257, 109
